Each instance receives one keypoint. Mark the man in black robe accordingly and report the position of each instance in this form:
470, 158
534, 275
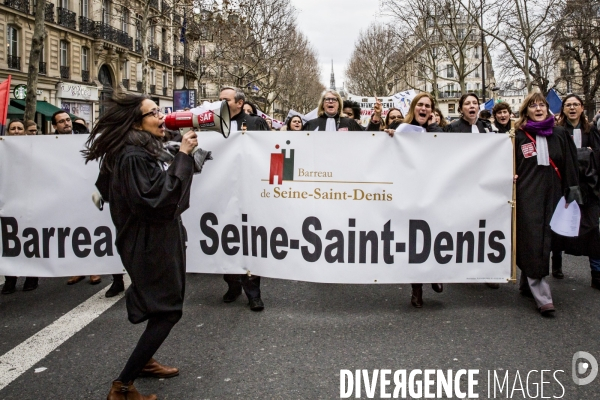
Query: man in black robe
329, 118
240, 120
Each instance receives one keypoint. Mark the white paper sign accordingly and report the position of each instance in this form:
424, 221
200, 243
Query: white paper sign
565, 221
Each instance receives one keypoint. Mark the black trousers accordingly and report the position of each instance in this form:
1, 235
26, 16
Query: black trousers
250, 284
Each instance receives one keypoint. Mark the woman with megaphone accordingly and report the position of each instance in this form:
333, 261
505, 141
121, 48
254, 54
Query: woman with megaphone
146, 201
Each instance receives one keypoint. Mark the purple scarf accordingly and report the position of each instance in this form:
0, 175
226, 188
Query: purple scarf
541, 128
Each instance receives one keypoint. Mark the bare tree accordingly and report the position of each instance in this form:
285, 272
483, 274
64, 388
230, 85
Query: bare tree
520, 27
37, 41
576, 38
373, 62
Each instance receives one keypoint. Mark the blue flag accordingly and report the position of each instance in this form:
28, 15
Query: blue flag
183, 28
554, 101
489, 105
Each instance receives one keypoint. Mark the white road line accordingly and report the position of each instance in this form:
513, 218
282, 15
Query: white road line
24, 356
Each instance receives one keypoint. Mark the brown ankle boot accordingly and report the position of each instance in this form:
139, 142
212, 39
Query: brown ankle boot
417, 295
120, 391
155, 370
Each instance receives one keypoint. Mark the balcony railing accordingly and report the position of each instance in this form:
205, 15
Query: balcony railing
49, 13
66, 18
152, 89
65, 72
111, 34
14, 62
178, 61
153, 51
42, 68
165, 91
85, 76
126, 83
139, 86
19, 5
449, 95
165, 57
86, 26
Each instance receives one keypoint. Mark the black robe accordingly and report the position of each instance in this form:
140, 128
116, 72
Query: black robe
503, 128
538, 191
588, 241
461, 125
253, 122
343, 124
146, 203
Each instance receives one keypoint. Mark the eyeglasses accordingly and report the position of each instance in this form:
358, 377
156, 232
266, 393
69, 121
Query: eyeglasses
330, 100
572, 105
154, 112
533, 106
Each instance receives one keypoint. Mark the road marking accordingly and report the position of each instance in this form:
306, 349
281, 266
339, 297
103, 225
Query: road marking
24, 356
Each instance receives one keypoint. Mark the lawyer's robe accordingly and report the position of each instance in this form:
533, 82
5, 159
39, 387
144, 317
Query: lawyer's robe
146, 202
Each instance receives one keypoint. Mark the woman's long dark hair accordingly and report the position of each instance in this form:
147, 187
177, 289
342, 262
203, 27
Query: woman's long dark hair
562, 120
117, 128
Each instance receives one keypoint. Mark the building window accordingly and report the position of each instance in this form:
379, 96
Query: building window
64, 53
203, 90
125, 20
449, 71
165, 79
84, 8
152, 76
476, 52
163, 38
152, 35
126, 69
202, 51
64, 4
451, 108
105, 12
12, 41
85, 58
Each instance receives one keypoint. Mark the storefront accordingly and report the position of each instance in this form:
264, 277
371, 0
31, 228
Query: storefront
78, 100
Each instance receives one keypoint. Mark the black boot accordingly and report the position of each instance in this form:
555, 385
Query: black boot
557, 265
10, 283
596, 279
31, 283
117, 286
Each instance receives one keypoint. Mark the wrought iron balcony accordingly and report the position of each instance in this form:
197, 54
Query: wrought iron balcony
152, 89
49, 12
66, 18
19, 5
126, 83
42, 68
165, 57
178, 61
86, 26
65, 72
139, 86
85, 76
153, 51
14, 62
165, 91
111, 34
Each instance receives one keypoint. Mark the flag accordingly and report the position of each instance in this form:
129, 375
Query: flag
183, 28
4, 100
489, 105
554, 101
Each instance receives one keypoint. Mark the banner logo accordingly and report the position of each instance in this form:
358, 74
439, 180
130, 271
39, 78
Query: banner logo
282, 165
582, 362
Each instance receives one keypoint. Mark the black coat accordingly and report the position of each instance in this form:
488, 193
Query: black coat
588, 241
253, 122
503, 128
146, 203
343, 124
538, 191
461, 125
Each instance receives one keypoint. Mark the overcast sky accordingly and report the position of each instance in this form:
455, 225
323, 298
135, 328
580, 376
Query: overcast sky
332, 27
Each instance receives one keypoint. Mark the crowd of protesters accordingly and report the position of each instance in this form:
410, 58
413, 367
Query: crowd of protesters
132, 132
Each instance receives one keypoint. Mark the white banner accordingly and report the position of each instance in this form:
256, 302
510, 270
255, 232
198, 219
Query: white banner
400, 100
341, 207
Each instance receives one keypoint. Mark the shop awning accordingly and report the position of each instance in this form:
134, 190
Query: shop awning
15, 112
42, 107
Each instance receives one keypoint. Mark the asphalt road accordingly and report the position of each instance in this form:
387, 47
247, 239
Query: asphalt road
308, 332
